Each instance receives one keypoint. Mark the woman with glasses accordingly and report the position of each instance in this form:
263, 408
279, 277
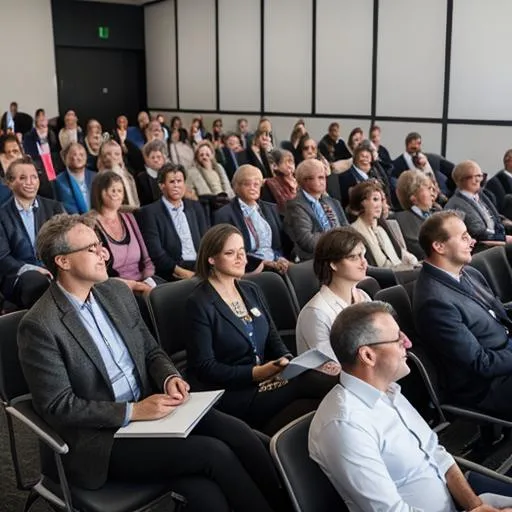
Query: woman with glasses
282, 187
339, 264
128, 256
234, 345
482, 220
308, 150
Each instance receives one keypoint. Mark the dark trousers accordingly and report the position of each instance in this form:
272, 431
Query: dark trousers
28, 288
482, 484
233, 468
269, 411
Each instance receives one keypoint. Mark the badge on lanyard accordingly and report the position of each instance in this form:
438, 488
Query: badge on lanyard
256, 312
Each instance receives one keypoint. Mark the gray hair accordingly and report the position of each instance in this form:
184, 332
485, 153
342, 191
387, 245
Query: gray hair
154, 145
354, 328
52, 237
305, 168
241, 174
408, 184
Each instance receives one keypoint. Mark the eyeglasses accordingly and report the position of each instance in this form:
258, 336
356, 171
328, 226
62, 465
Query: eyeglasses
94, 248
401, 340
482, 177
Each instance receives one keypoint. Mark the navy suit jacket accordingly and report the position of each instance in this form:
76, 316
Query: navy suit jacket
248, 156
501, 186
15, 247
219, 349
232, 214
161, 237
65, 192
347, 180
469, 346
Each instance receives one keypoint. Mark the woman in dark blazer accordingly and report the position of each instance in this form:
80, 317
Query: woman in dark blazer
234, 345
258, 221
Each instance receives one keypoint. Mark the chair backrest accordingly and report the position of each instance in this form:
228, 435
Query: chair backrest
398, 297
12, 380
370, 285
384, 276
167, 307
495, 267
280, 304
302, 282
309, 488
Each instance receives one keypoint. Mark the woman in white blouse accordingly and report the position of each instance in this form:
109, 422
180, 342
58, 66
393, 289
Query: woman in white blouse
339, 264
366, 202
207, 177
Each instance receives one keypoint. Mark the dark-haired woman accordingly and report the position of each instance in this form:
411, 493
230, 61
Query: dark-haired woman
234, 345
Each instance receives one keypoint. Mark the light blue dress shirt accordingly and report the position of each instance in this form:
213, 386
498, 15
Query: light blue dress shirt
114, 353
362, 174
318, 210
82, 186
28, 219
179, 219
264, 232
378, 452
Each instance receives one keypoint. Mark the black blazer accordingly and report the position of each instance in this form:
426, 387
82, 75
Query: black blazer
500, 185
219, 349
15, 246
147, 188
232, 214
226, 159
248, 156
162, 240
347, 180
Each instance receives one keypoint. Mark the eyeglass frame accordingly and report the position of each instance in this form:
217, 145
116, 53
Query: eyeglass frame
98, 245
401, 338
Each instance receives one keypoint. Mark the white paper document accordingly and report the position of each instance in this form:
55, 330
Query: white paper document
308, 360
179, 423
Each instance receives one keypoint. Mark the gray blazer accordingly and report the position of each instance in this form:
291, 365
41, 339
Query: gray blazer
302, 226
410, 224
68, 380
474, 219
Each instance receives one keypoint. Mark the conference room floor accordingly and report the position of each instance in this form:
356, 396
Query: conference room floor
12, 500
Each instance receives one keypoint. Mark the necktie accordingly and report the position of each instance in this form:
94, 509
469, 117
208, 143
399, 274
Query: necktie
329, 212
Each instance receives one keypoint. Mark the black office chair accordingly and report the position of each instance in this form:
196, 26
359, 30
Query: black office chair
302, 283
370, 285
309, 488
398, 297
167, 307
494, 264
384, 276
17, 402
280, 304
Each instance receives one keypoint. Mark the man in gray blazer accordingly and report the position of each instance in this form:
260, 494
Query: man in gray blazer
92, 366
312, 212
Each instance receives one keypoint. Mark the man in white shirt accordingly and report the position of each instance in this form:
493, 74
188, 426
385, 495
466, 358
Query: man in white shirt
375, 448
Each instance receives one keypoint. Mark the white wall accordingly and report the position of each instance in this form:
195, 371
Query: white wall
410, 80
28, 58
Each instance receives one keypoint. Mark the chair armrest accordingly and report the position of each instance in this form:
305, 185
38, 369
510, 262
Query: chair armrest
474, 415
24, 412
477, 468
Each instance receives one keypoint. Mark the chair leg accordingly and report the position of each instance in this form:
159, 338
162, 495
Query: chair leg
31, 499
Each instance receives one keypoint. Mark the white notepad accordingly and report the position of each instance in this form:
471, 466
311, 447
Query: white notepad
179, 423
308, 360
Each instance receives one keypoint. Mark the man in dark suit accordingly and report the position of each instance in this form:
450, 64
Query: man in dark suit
461, 321
312, 212
501, 186
227, 154
436, 164
256, 153
384, 156
173, 226
23, 277
332, 146
92, 366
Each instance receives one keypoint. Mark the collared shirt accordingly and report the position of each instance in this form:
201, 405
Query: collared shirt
508, 173
418, 211
151, 172
363, 175
378, 451
261, 238
82, 186
489, 221
451, 274
318, 210
179, 219
316, 319
28, 219
408, 160
113, 351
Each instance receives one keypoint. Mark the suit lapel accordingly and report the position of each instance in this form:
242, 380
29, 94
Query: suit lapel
302, 198
474, 206
237, 210
169, 226
21, 226
192, 224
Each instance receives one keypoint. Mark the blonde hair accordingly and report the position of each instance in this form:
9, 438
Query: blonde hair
461, 170
241, 174
407, 185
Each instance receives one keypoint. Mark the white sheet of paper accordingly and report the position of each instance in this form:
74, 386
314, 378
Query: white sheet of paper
179, 423
308, 360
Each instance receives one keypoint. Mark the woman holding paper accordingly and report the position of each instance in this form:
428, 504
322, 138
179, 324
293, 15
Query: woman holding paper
339, 263
234, 345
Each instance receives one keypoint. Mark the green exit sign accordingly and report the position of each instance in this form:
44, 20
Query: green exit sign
103, 32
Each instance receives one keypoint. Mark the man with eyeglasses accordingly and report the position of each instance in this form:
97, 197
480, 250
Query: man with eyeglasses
23, 277
92, 366
483, 221
461, 321
377, 451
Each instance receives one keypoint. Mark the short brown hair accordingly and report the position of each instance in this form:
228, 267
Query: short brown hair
412, 136
360, 149
168, 168
433, 230
360, 192
52, 237
153, 146
352, 134
334, 245
507, 156
212, 244
24, 160
102, 181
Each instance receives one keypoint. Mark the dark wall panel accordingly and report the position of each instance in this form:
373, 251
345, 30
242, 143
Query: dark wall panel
76, 24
